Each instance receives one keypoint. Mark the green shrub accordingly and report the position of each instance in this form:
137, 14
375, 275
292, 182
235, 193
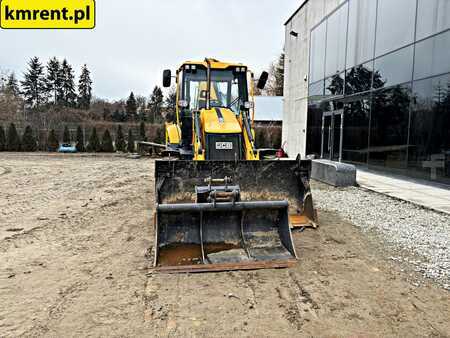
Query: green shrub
52, 143
66, 135
13, 139
107, 145
2, 139
80, 140
160, 134
28, 140
130, 146
94, 144
142, 132
120, 140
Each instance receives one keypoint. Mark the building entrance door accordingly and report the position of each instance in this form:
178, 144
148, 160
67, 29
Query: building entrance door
332, 126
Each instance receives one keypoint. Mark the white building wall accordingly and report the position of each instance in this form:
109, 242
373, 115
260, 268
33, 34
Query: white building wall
297, 72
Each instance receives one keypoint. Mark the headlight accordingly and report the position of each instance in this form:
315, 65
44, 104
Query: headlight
248, 105
183, 103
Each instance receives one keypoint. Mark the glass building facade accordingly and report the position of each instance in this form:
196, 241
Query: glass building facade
381, 68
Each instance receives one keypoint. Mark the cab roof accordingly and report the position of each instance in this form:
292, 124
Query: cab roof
215, 64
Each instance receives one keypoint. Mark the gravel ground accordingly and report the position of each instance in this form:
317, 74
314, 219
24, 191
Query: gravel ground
422, 232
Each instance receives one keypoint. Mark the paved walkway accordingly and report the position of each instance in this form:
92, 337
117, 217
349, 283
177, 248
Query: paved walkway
427, 195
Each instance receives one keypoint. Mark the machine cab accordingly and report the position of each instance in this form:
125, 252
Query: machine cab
227, 87
213, 108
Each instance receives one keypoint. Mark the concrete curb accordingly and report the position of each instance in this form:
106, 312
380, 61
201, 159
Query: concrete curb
334, 173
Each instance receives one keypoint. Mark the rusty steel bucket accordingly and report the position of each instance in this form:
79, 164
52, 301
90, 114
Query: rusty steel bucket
221, 215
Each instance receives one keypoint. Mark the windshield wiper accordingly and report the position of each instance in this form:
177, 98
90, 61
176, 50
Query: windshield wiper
234, 102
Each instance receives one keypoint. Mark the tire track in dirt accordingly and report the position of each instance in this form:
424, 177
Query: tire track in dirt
66, 295
5, 170
249, 281
299, 307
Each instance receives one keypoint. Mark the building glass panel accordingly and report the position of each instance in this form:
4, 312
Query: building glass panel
389, 127
336, 41
356, 130
314, 130
432, 56
429, 151
395, 24
317, 60
334, 85
433, 17
361, 31
316, 89
394, 68
359, 79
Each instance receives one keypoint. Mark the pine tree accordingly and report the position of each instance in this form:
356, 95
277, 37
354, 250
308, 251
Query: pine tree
68, 85
94, 144
118, 116
54, 81
84, 89
107, 145
80, 140
34, 84
13, 140
160, 134
155, 105
12, 86
2, 139
28, 140
276, 85
142, 133
130, 146
66, 135
120, 139
131, 106
52, 142
171, 104
141, 104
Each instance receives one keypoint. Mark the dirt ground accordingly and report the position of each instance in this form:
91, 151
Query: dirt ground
75, 244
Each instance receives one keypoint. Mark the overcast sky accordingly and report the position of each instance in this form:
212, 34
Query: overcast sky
135, 40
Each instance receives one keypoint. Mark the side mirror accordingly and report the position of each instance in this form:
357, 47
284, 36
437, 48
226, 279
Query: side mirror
262, 80
167, 78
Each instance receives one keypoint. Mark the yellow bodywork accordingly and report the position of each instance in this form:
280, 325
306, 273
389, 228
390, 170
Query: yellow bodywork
173, 133
215, 64
227, 124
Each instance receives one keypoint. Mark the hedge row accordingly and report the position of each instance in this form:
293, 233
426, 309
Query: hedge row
10, 140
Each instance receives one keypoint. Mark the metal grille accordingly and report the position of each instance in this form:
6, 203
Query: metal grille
226, 147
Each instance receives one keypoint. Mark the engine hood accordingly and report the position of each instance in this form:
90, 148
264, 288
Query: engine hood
220, 121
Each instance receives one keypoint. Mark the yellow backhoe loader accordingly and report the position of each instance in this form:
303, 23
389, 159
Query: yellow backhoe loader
218, 205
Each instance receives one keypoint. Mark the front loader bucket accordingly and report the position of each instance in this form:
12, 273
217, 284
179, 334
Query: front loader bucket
242, 224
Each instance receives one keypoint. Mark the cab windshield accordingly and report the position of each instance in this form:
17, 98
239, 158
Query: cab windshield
228, 89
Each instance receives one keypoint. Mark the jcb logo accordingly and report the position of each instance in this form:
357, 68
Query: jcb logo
63, 14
